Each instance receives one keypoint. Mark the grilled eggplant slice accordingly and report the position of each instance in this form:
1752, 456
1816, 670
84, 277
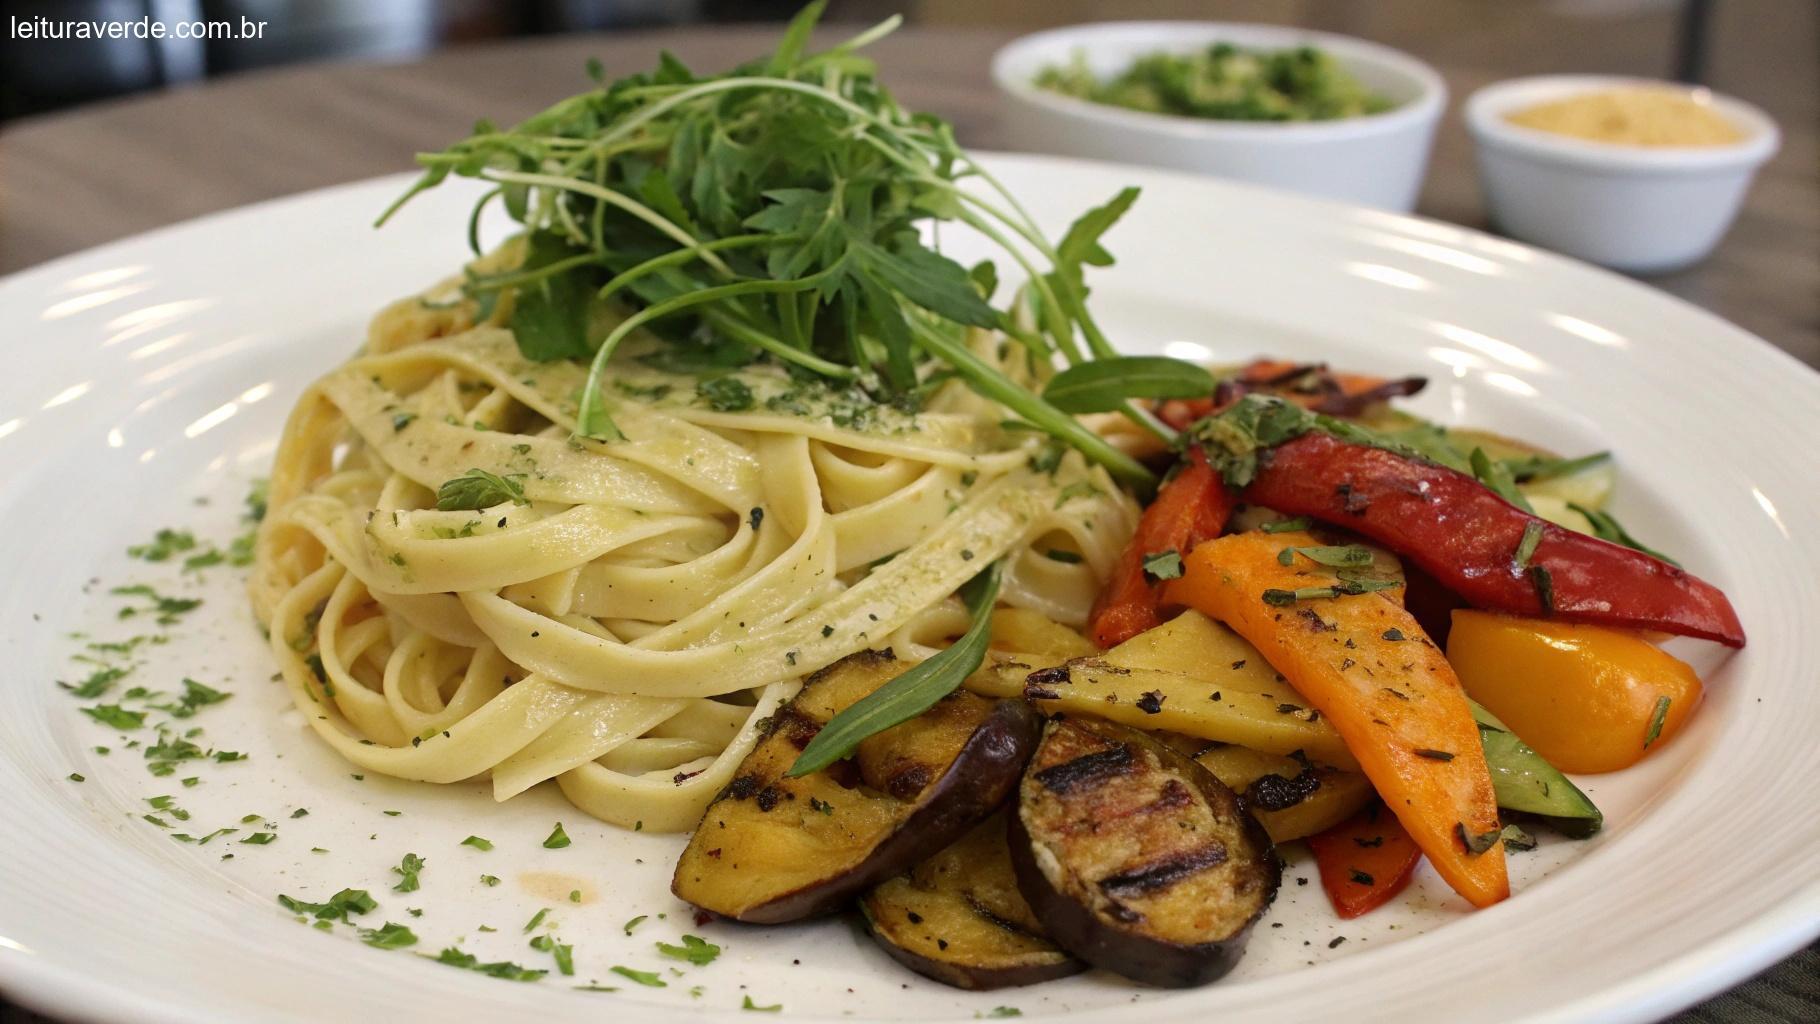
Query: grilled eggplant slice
1135, 858
772, 849
958, 918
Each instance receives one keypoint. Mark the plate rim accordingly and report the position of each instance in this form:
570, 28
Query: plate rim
1717, 964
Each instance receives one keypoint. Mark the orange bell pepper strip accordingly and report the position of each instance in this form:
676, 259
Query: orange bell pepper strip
1365, 663
1365, 860
1191, 507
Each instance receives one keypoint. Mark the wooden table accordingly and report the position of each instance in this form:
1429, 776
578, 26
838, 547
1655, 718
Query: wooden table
71, 181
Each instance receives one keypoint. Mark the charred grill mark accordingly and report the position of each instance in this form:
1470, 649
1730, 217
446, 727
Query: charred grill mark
743, 787
1276, 793
1173, 796
768, 798
1165, 872
1315, 622
1033, 692
1087, 770
907, 781
1351, 502
986, 913
1047, 676
796, 727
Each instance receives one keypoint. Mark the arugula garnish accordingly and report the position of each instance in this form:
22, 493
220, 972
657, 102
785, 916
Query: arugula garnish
914, 692
777, 212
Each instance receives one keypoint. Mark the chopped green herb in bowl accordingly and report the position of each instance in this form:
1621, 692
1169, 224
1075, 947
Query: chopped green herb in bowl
1225, 83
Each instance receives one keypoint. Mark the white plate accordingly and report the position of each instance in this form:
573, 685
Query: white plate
153, 372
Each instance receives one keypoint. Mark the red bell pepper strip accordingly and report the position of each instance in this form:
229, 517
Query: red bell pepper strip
1467, 537
1364, 860
1191, 507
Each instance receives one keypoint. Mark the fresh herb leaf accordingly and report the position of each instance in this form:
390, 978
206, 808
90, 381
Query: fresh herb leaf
646, 978
1106, 384
746, 1003
726, 394
635, 922
1516, 839
163, 545
1497, 479
477, 843
454, 957
116, 716
1163, 565
914, 692
388, 936
1477, 842
1350, 555
478, 489
338, 907
1657, 719
1545, 588
407, 870
694, 949
1606, 527
1526, 548
557, 839
1287, 525
1535, 468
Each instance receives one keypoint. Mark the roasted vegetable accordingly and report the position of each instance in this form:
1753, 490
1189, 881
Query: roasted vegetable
1495, 555
1365, 861
1363, 661
1587, 698
1135, 858
1189, 675
1191, 507
959, 918
1527, 783
1292, 799
772, 849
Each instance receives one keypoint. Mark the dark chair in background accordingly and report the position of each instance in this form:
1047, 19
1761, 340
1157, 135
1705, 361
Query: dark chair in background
39, 75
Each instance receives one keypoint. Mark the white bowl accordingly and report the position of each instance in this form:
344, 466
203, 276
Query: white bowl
1377, 159
1644, 209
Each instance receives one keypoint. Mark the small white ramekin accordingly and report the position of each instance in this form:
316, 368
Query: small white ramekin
1377, 159
1644, 209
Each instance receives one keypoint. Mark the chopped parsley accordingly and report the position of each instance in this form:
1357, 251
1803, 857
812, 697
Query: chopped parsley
558, 839
338, 907
694, 949
116, 716
647, 978
748, 1004
389, 936
407, 871
477, 843
454, 957
564, 954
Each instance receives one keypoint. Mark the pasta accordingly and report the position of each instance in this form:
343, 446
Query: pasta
626, 614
